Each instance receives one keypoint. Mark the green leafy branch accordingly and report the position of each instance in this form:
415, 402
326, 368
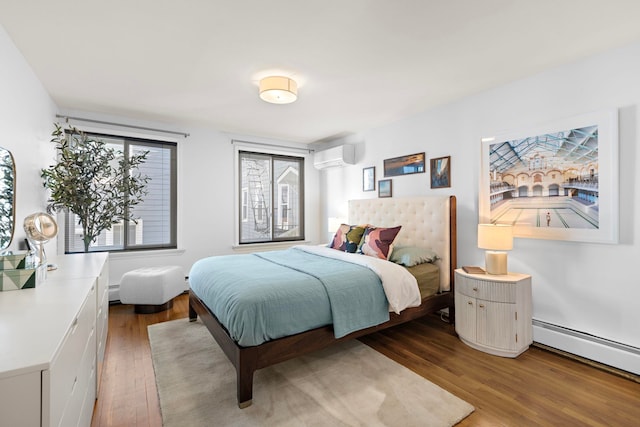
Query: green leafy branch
99, 184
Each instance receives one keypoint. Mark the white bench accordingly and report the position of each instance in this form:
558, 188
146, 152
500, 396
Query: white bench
152, 289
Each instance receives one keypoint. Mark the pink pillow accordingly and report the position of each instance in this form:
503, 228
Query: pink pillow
378, 241
347, 238
340, 238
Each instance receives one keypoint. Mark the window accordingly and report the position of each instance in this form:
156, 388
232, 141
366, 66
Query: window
155, 227
273, 208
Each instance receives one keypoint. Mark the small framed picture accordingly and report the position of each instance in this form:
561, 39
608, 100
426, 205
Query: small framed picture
441, 172
384, 188
369, 179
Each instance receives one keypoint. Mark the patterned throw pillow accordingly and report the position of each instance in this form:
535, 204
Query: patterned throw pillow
347, 238
378, 241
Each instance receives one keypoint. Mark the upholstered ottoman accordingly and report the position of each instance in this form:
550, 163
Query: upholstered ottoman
152, 289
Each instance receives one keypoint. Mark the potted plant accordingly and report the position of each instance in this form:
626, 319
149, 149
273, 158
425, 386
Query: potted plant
99, 184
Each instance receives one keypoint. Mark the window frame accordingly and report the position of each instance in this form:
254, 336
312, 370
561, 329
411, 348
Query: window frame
244, 201
129, 140
274, 194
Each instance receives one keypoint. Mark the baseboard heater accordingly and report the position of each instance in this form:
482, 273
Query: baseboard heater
612, 353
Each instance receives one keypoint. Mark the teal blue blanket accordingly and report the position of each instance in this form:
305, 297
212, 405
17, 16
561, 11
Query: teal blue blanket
264, 296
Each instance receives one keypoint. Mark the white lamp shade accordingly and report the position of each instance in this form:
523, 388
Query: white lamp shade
278, 90
495, 237
334, 223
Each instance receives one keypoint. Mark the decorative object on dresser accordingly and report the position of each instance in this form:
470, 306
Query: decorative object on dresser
25, 270
496, 239
441, 172
493, 313
16, 274
40, 228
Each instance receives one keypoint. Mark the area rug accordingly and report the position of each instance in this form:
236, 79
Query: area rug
348, 384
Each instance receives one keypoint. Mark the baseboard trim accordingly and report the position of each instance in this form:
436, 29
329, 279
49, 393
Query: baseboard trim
592, 363
114, 293
615, 355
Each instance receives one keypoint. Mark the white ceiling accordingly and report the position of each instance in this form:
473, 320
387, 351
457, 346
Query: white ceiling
358, 63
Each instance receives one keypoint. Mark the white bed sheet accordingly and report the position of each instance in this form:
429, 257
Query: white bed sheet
400, 287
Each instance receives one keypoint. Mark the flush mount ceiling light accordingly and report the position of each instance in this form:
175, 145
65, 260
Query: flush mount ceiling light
278, 90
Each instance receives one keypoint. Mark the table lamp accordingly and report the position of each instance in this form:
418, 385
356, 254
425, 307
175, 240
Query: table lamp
496, 239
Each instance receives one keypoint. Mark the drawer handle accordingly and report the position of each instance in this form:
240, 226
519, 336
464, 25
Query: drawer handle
481, 305
74, 325
475, 289
469, 302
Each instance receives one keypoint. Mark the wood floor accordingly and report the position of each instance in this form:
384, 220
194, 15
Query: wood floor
539, 388
127, 395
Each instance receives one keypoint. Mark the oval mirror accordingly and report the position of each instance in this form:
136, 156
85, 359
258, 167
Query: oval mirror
7, 197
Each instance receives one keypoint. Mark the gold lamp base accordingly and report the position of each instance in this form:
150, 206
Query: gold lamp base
495, 262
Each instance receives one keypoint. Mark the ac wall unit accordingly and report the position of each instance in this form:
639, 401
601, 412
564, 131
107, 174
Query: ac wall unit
341, 155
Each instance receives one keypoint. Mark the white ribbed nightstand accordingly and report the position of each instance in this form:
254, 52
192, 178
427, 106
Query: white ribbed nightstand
493, 312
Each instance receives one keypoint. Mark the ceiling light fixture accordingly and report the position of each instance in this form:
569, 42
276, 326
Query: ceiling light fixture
278, 90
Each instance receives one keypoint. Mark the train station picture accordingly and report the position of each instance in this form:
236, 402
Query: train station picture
548, 185
548, 180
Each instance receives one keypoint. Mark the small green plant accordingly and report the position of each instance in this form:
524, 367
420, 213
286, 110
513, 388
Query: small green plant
99, 184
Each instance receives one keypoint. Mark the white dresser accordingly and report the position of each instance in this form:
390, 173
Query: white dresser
52, 341
493, 312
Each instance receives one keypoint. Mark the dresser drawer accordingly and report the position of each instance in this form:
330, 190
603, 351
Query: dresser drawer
86, 413
84, 387
487, 290
103, 285
103, 288
20, 400
68, 362
102, 323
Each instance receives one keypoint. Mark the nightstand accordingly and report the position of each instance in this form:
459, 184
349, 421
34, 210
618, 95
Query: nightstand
493, 312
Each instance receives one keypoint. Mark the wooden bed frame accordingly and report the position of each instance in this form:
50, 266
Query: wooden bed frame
248, 359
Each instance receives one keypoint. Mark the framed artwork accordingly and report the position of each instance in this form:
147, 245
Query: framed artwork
369, 179
384, 188
441, 172
555, 181
404, 165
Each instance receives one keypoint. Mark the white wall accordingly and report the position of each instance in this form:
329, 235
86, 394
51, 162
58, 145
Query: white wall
205, 170
26, 121
581, 286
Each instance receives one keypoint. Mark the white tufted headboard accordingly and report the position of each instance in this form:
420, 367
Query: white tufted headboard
428, 221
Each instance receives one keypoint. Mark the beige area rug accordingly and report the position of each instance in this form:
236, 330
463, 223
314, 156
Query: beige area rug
348, 384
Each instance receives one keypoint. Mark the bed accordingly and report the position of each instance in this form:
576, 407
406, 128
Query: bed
426, 222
